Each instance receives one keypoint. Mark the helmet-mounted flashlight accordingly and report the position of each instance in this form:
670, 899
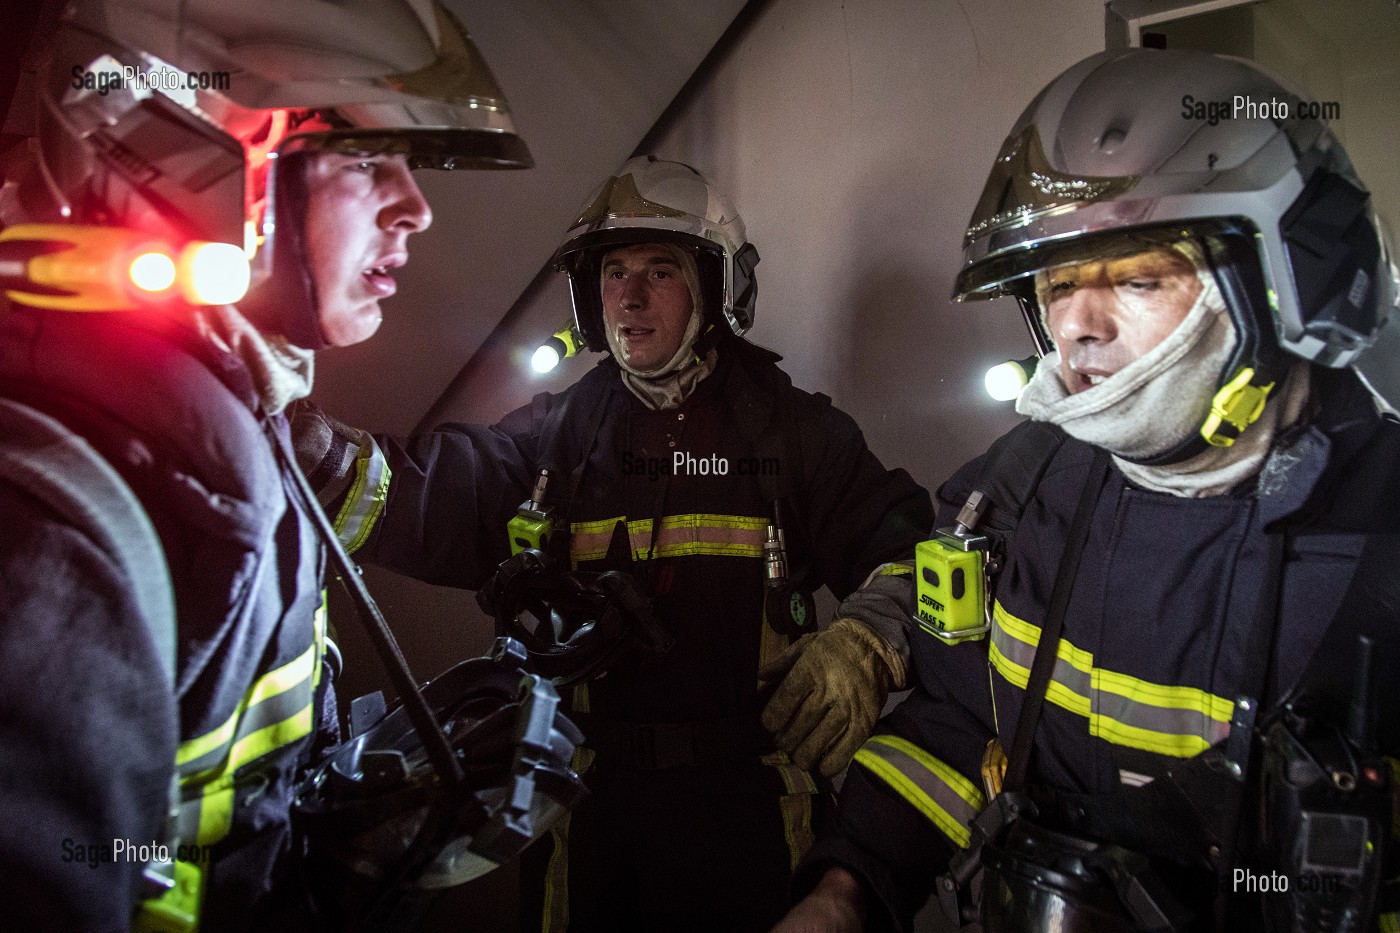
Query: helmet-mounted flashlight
81, 268
560, 346
1005, 381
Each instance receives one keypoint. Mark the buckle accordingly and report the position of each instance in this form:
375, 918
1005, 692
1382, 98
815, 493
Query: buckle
1235, 407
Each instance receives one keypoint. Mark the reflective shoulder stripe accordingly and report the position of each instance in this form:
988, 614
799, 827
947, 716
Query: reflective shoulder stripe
680, 536
1389, 923
946, 798
894, 570
1165, 719
365, 501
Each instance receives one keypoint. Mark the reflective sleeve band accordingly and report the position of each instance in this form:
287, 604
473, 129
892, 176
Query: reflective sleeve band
364, 503
795, 806
892, 569
680, 536
1178, 721
946, 798
318, 623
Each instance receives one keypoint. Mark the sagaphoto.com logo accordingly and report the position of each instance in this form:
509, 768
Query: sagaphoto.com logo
106, 74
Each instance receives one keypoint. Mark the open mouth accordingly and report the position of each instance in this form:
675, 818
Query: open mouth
1084, 381
632, 332
379, 278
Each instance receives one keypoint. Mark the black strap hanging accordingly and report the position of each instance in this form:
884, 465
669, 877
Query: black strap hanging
1047, 650
429, 731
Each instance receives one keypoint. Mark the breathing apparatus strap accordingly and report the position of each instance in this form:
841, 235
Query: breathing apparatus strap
47, 460
429, 731
1033, 701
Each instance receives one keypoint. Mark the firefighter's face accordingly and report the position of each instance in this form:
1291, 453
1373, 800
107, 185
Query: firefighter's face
361, 210
1105, 314
646, 304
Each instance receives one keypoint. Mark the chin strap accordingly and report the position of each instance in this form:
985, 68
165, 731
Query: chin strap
1237, 405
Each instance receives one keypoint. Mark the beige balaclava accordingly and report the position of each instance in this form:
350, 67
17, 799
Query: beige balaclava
671, 383
281, 372
1163, 397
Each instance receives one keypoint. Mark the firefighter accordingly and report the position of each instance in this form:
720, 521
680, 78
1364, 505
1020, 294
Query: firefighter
687, 460
161, 599
1188, 547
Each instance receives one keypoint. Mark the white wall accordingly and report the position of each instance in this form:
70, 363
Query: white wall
854, 138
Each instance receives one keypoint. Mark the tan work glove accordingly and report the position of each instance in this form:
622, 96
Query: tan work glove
325, 447
831, 687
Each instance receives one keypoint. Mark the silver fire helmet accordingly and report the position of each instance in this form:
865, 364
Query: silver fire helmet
1141, 146
186, 119
649, 200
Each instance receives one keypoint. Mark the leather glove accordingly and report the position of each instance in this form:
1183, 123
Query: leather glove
831, 687
326, 448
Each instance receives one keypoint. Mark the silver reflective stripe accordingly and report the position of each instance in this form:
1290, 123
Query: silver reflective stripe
1166, 719
940, 793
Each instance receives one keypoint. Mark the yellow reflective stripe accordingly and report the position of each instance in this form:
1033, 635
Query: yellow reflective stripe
1140, 710
213, 801
920, 790
680, 536
270, 738
602, 524
215, 811
555, 909
210, 741
795, 805
690, 535
1389, 923
206, 811
1057, 693
894, 570
365, 501
274, 682
283, 679
318, 637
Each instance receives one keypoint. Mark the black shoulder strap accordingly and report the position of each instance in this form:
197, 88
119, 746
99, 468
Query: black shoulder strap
1012, 472
47, 460
1043, 666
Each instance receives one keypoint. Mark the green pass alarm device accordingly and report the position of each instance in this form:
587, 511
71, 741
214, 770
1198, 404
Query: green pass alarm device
950, 578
